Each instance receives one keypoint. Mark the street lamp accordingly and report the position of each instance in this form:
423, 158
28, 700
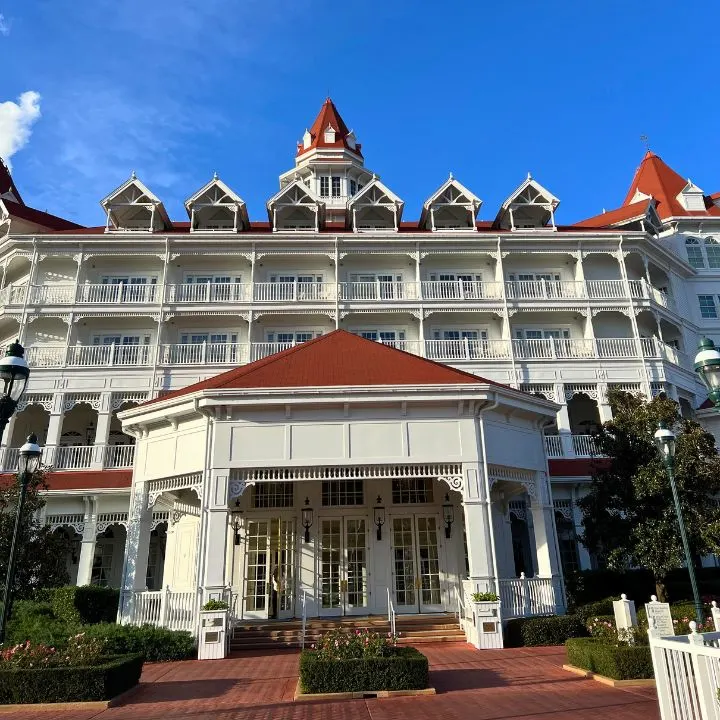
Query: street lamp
665, 441
14, 373
28, 464
707, 366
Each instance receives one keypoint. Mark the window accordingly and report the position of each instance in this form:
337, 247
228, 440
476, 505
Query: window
707, 306
342, 492
353, 187
694, 253
102, 563
712, 250
539, 334
336, 187
324, 186
407, 491
273, 495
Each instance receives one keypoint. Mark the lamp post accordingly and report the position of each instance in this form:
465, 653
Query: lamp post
707, 366
665, 441
14, 373
28, 464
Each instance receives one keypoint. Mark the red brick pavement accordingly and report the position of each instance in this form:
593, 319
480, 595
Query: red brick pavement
522, 684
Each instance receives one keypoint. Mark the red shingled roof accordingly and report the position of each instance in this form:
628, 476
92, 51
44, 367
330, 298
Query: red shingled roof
329, 115
622, 214
46, 220
6, 182
333, 360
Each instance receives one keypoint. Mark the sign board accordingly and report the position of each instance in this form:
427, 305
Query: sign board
659, 618
625, 617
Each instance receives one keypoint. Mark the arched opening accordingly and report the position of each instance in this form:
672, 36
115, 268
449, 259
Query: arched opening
33, 419
72, 558
520, 534
568, 544
156, 557
108, 560
584, 414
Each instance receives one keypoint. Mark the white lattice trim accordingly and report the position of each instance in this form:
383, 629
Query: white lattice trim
105, 520
546, 390
119, 398
657, 388
503, 473
349, 472
45, 400
192, 481
76, 521
575, 389
564, 508
625, 387
73, 399
518, 508
158, 518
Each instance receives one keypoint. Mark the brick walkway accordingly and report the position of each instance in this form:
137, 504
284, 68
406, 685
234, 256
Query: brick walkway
522, 684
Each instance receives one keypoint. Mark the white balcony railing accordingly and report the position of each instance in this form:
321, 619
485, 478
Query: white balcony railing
295, 292
77, 457
544, 289
52, 294
610, 289
109, 355
525, 597
118, 456
583, 445
119, 293
570, 446
467, 349
553, 446
45, 356
162, 608
616, 347
204, 354
208, 293
379, 291
13, 295
461, 290
263, 349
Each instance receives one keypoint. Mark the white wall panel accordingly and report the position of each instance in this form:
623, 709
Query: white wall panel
376, 440
434, 438
321, 441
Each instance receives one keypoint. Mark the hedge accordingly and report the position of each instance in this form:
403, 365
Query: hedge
546, 630
70, 684
407, 669
595, 609
87, 604
619, 662
155, 644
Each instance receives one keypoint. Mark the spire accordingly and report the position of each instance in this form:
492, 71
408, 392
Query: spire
329, 131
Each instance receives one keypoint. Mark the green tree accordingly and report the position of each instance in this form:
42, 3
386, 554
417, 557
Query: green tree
41, 553
629, 516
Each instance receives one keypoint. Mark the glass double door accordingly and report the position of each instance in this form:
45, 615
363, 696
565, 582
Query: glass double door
269, 568
416, 564
343, 561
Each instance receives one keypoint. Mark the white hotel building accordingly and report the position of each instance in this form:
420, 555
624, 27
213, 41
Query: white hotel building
132, 311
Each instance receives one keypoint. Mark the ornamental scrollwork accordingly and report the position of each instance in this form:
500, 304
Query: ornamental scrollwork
454, 482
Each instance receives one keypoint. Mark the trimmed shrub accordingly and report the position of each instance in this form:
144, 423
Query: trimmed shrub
113, 676
35, 621
596, 609
619, 662
85, 605
405, 669
153, 643
546, 630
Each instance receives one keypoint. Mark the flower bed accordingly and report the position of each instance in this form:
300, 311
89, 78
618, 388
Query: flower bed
361, 661
110, 677
619, 662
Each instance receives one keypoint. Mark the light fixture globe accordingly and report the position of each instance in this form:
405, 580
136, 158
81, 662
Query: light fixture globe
14, 372
29, 456
665, 442
707, 366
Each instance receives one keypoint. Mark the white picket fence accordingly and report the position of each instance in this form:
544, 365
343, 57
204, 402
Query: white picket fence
687, 675
162, 608
526, 597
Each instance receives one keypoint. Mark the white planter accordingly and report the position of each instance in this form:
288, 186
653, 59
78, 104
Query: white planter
484, 629
212, 639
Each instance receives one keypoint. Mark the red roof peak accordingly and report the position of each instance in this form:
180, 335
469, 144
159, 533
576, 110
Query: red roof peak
7, 186
338, 359
329, 119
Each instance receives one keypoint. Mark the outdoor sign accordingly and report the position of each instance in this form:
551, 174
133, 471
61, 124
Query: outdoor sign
659, 618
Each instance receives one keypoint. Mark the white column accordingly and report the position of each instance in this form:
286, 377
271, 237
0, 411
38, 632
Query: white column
214, 536
54, 428
547, 555
603, 406
477, 511
136, 550
563, 423
87, 544
102, 431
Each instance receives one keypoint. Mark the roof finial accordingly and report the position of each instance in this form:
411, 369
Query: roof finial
452, 177
646, 141
529, 177
215, 175
133, 176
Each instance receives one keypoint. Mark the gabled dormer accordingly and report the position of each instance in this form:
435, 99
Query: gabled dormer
530, 206
375, 207
216, 208
451, 207
133, 208
691, 197
296, 208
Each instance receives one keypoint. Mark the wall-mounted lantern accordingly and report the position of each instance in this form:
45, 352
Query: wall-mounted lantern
448, 515
236, 523
379, 516
307, 519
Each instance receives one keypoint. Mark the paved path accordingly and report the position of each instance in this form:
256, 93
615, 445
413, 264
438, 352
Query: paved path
522, 684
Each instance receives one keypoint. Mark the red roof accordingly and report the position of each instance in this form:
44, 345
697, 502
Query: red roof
84, 480
622, 214
6, 182
338, 359
46, 220
329, 116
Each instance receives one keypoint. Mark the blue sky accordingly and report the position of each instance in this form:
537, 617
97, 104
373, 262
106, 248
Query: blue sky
488, 90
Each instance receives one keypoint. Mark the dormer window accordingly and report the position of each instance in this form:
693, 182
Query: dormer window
530, 206
329, 134
692, 198
216, 208
336, 187
307, 139
353, 188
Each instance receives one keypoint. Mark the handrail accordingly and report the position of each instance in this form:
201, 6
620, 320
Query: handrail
460, 605
304, 620
391, 614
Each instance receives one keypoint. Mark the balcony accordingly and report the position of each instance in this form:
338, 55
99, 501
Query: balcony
123, 294
570, 446
232, 354
78, 457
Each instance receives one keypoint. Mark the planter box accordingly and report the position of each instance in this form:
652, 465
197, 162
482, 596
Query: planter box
112, 677
407, 669
212, 640
484, 628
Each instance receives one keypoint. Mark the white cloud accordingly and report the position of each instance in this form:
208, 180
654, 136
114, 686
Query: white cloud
4, 26
16, 121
